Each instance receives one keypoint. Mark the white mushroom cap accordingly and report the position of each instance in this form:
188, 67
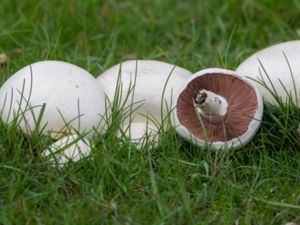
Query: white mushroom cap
72, 97
69, 148
278, 67
150, 80
244, 110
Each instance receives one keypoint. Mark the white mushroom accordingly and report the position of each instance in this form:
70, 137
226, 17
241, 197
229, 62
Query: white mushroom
147, 87
278, 67
71, 148
217, 107
55, 98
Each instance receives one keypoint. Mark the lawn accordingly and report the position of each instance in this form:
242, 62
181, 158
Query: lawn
177, 183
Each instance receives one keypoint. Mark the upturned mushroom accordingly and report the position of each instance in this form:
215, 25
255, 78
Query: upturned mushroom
147, 89
217, 108
275, 71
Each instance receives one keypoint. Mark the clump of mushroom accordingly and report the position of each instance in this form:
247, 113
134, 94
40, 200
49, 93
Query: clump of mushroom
275, 71
147, 89
217, 107
55, 98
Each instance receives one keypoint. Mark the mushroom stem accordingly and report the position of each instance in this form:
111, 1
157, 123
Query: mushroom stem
211, 106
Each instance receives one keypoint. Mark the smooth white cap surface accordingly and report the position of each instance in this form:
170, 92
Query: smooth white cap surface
70, 94
277, 67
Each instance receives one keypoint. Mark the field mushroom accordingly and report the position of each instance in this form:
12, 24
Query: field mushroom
147, 89
217, 107
58, 99
278, 67
55, 98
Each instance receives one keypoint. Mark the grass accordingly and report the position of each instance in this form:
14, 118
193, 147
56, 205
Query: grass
178, 183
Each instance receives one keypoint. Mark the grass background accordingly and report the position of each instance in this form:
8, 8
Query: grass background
177, 183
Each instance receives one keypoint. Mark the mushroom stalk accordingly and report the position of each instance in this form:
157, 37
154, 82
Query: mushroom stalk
210, 106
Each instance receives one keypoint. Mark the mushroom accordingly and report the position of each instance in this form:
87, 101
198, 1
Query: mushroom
67, 149
55, 98
147, 89
276, 70
219, 108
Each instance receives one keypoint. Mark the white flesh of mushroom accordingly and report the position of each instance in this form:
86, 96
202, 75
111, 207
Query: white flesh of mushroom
149, 87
